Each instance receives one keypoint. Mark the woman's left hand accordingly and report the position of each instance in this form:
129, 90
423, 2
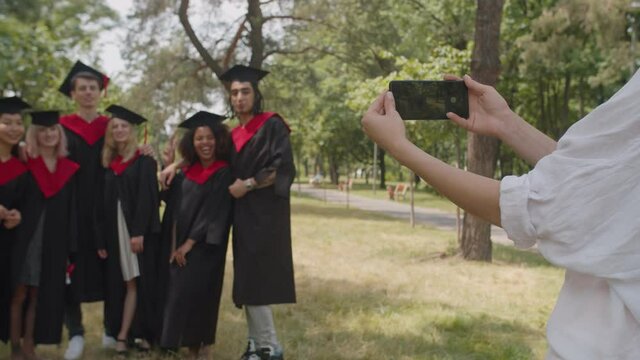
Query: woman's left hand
137, 244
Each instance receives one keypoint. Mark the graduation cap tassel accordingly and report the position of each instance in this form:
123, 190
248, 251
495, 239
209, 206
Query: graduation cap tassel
145, 134
105, 82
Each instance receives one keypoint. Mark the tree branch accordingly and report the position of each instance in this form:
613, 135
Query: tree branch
288, 52
285, 17
234, 44
184, 20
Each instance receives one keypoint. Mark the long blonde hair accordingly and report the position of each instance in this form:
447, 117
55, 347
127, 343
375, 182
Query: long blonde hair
33, 148
110, 150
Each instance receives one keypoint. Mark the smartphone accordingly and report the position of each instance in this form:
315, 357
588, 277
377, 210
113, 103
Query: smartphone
430, 100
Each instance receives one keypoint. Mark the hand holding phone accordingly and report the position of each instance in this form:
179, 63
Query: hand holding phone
430, 100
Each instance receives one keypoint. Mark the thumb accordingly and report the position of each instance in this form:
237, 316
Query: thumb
389, 103
474, 85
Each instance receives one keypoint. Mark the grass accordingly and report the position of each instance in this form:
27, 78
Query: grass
371, 287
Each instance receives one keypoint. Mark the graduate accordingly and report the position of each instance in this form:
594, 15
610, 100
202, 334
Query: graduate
85, 135
45, 238
198, 214
13, 176
262, 165
129, 223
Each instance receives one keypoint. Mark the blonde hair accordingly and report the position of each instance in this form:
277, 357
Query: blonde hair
110, 150
33, 148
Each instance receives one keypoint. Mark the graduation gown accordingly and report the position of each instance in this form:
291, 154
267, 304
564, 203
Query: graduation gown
84, 142
199, 209
13, 179
135, 185
262, 255
51, 196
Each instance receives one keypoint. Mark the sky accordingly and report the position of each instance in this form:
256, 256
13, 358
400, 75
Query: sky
113, 63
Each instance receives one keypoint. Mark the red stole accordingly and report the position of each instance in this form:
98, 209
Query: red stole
10, 170
91, 132
200, 175
119, 167
242, 134
51, 182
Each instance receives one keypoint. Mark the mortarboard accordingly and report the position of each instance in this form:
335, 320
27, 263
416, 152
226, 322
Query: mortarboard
78, 67
12, 105
201, 118
243, 73
45, 118
125, 114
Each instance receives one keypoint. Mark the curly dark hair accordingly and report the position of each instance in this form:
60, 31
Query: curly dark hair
223, 143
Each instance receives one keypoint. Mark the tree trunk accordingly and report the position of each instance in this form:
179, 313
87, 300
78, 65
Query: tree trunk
383, 168
333, 170
482, 151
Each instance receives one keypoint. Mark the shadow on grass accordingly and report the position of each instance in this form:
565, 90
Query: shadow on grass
354, 321
512, 255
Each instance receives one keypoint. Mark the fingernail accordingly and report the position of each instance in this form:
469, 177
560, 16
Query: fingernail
390, 95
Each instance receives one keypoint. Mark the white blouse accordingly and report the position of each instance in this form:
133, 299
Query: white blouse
581, 206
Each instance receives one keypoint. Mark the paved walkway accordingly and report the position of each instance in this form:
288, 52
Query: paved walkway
427, 216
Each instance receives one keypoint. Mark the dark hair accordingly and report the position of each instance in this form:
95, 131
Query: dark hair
257, 99
223, 143
88, 76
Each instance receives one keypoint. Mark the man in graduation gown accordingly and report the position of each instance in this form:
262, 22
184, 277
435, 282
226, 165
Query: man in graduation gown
262, 163
85, 131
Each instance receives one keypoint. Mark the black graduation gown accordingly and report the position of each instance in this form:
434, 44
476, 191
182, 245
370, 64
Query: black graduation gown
201, 212
137, 189
87, 280
13, 180
262, 255
58, 242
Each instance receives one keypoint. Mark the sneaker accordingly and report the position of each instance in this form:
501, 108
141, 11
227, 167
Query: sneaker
269, 353
75, 348
108, 342
252, 352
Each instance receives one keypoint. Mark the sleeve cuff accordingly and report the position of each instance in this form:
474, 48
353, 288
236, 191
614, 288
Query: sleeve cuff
514, 214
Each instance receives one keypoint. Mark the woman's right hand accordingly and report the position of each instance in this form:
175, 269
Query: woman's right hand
180, 254
12, 219
102, 253
489, 112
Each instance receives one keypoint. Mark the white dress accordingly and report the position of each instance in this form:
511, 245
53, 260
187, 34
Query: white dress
581, 206
128, 260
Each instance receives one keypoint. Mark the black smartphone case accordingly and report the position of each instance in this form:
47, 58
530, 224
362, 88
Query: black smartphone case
430, 100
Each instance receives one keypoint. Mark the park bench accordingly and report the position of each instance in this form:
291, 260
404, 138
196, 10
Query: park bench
400, 191
342, 185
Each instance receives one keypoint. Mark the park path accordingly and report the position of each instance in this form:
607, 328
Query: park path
426, 216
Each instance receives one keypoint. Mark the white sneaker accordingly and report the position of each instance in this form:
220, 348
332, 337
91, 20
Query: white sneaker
108, 342
75, 348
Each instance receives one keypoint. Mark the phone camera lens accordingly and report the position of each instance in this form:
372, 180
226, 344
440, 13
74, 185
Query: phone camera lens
453, 99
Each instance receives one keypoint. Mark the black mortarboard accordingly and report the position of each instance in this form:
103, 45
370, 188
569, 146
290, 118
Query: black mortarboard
125, 114
12, 105
201, 118
243, 73
78, 67
45, 118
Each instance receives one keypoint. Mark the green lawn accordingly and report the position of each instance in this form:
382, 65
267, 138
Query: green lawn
372, 287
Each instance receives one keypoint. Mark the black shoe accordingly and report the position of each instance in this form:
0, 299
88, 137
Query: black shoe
251, 353
268, 353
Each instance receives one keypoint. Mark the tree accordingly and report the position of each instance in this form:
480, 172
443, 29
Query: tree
482, 150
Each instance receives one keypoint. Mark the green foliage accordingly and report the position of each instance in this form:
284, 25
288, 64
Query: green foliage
39, 40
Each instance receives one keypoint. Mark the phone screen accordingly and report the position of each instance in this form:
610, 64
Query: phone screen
429, 100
